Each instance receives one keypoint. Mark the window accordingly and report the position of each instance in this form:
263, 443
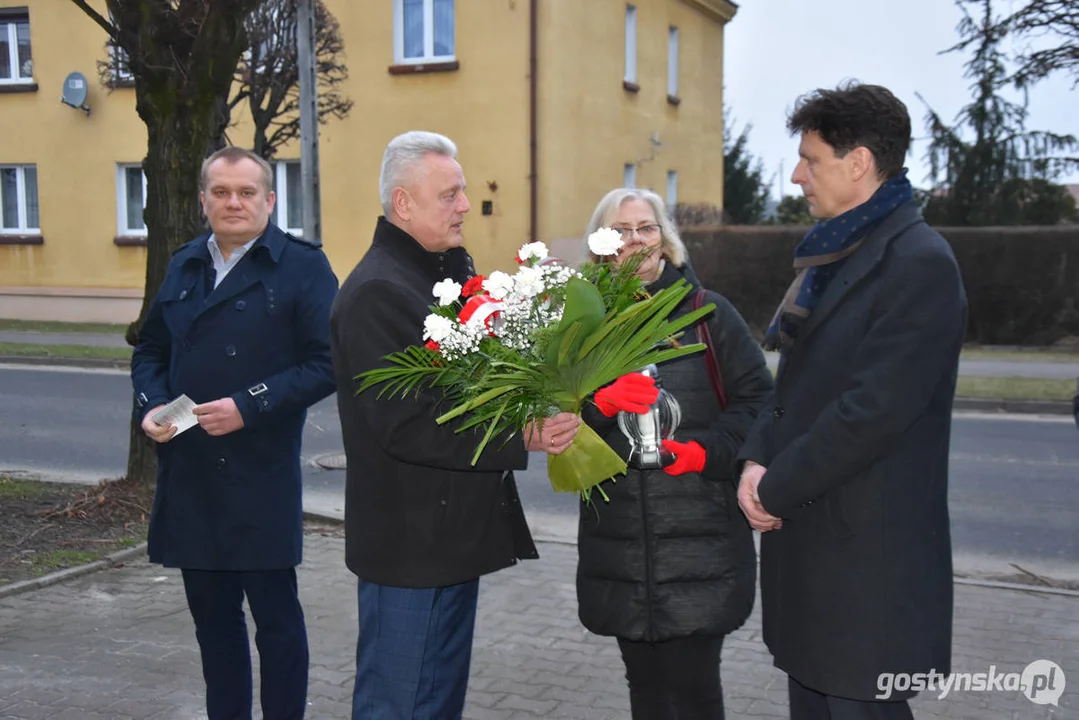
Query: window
672, 188
16, 65
631, 45
119, 65
672, 62
18, 199
629, 175
423, 31
130, 200
288, 210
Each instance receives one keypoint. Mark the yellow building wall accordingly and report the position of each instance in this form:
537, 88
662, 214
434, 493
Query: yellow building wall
591, 126
482, 107
76, 159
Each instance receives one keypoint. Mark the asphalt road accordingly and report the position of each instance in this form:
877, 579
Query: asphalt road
1014, 479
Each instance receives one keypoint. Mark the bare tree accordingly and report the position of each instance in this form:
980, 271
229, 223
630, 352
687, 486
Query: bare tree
181, 56
1003, 168
268, 76
1054, 24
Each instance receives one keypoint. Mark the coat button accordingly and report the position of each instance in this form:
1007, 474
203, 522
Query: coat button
231, 351
443, 502
240, 304
221, 463
188, 345
778, 412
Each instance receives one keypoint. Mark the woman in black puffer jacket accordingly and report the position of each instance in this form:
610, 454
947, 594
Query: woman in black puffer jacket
667, 566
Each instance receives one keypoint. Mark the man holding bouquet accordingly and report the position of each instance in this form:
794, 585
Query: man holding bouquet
422, 522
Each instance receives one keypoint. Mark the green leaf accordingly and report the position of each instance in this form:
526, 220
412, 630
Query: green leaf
587, 462
584, 306
473, 403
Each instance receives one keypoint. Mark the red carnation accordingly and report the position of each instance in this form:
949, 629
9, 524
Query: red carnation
474, 286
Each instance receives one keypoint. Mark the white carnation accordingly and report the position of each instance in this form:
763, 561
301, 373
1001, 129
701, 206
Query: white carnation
528, 282
535, 250
437, 328
498, 284
605, 241
447, 292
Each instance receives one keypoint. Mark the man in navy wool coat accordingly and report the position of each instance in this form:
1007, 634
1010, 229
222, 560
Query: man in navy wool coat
241, 326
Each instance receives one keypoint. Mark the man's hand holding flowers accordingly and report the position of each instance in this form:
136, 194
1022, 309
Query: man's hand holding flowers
553, 434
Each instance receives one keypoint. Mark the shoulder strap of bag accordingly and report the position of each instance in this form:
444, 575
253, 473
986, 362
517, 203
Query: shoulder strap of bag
711, 361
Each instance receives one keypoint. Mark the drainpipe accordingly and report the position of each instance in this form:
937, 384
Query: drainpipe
533, 185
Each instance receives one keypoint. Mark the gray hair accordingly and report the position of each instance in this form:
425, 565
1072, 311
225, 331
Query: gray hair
671, 246
401, 156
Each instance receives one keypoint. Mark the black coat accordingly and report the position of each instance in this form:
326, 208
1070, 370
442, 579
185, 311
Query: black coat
233, 502
671, 557
859, 579
417, 513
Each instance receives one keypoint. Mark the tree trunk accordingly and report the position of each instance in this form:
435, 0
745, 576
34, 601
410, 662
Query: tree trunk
185, 120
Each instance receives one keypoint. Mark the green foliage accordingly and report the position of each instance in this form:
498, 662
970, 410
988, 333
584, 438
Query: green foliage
794, 210
599, 338
988, 169
745, 193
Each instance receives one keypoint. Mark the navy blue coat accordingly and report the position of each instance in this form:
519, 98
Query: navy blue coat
261, 337
859, 579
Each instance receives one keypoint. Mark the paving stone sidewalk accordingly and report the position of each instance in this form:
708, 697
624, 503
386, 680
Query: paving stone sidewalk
119, 644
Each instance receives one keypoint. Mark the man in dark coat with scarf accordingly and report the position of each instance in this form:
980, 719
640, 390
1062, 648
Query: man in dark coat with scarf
422, 523
847, 476
241, 326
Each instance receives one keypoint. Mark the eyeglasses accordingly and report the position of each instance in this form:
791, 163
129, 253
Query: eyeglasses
645, 232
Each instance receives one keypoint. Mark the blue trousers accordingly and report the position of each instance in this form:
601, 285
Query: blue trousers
216, 603
414, 651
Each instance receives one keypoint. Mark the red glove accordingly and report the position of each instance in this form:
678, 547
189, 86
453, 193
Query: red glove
689, 457
632, 393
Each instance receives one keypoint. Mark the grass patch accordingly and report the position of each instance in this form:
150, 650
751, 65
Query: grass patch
46, 562
1056, 356
64, 351
17, 488
62, 327
1015, 388
50, 526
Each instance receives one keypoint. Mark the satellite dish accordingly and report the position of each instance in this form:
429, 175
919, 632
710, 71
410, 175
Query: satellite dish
75, 89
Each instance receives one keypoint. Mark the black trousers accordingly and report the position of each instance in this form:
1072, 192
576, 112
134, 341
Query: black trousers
674, 680
809, 704
216, 603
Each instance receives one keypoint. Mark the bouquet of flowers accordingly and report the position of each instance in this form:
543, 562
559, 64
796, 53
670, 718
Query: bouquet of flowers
505, 349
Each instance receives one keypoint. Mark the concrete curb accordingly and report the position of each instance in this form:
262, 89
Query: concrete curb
109, 561
94, 363
117, 558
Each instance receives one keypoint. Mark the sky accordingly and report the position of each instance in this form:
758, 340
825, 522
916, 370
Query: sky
776, 50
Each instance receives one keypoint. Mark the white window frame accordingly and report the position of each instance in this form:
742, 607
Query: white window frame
280, 169
629, 175
631, 44
23, 210
672, 188
9, 24
121, 71
122, 230
672, 62
428, 35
